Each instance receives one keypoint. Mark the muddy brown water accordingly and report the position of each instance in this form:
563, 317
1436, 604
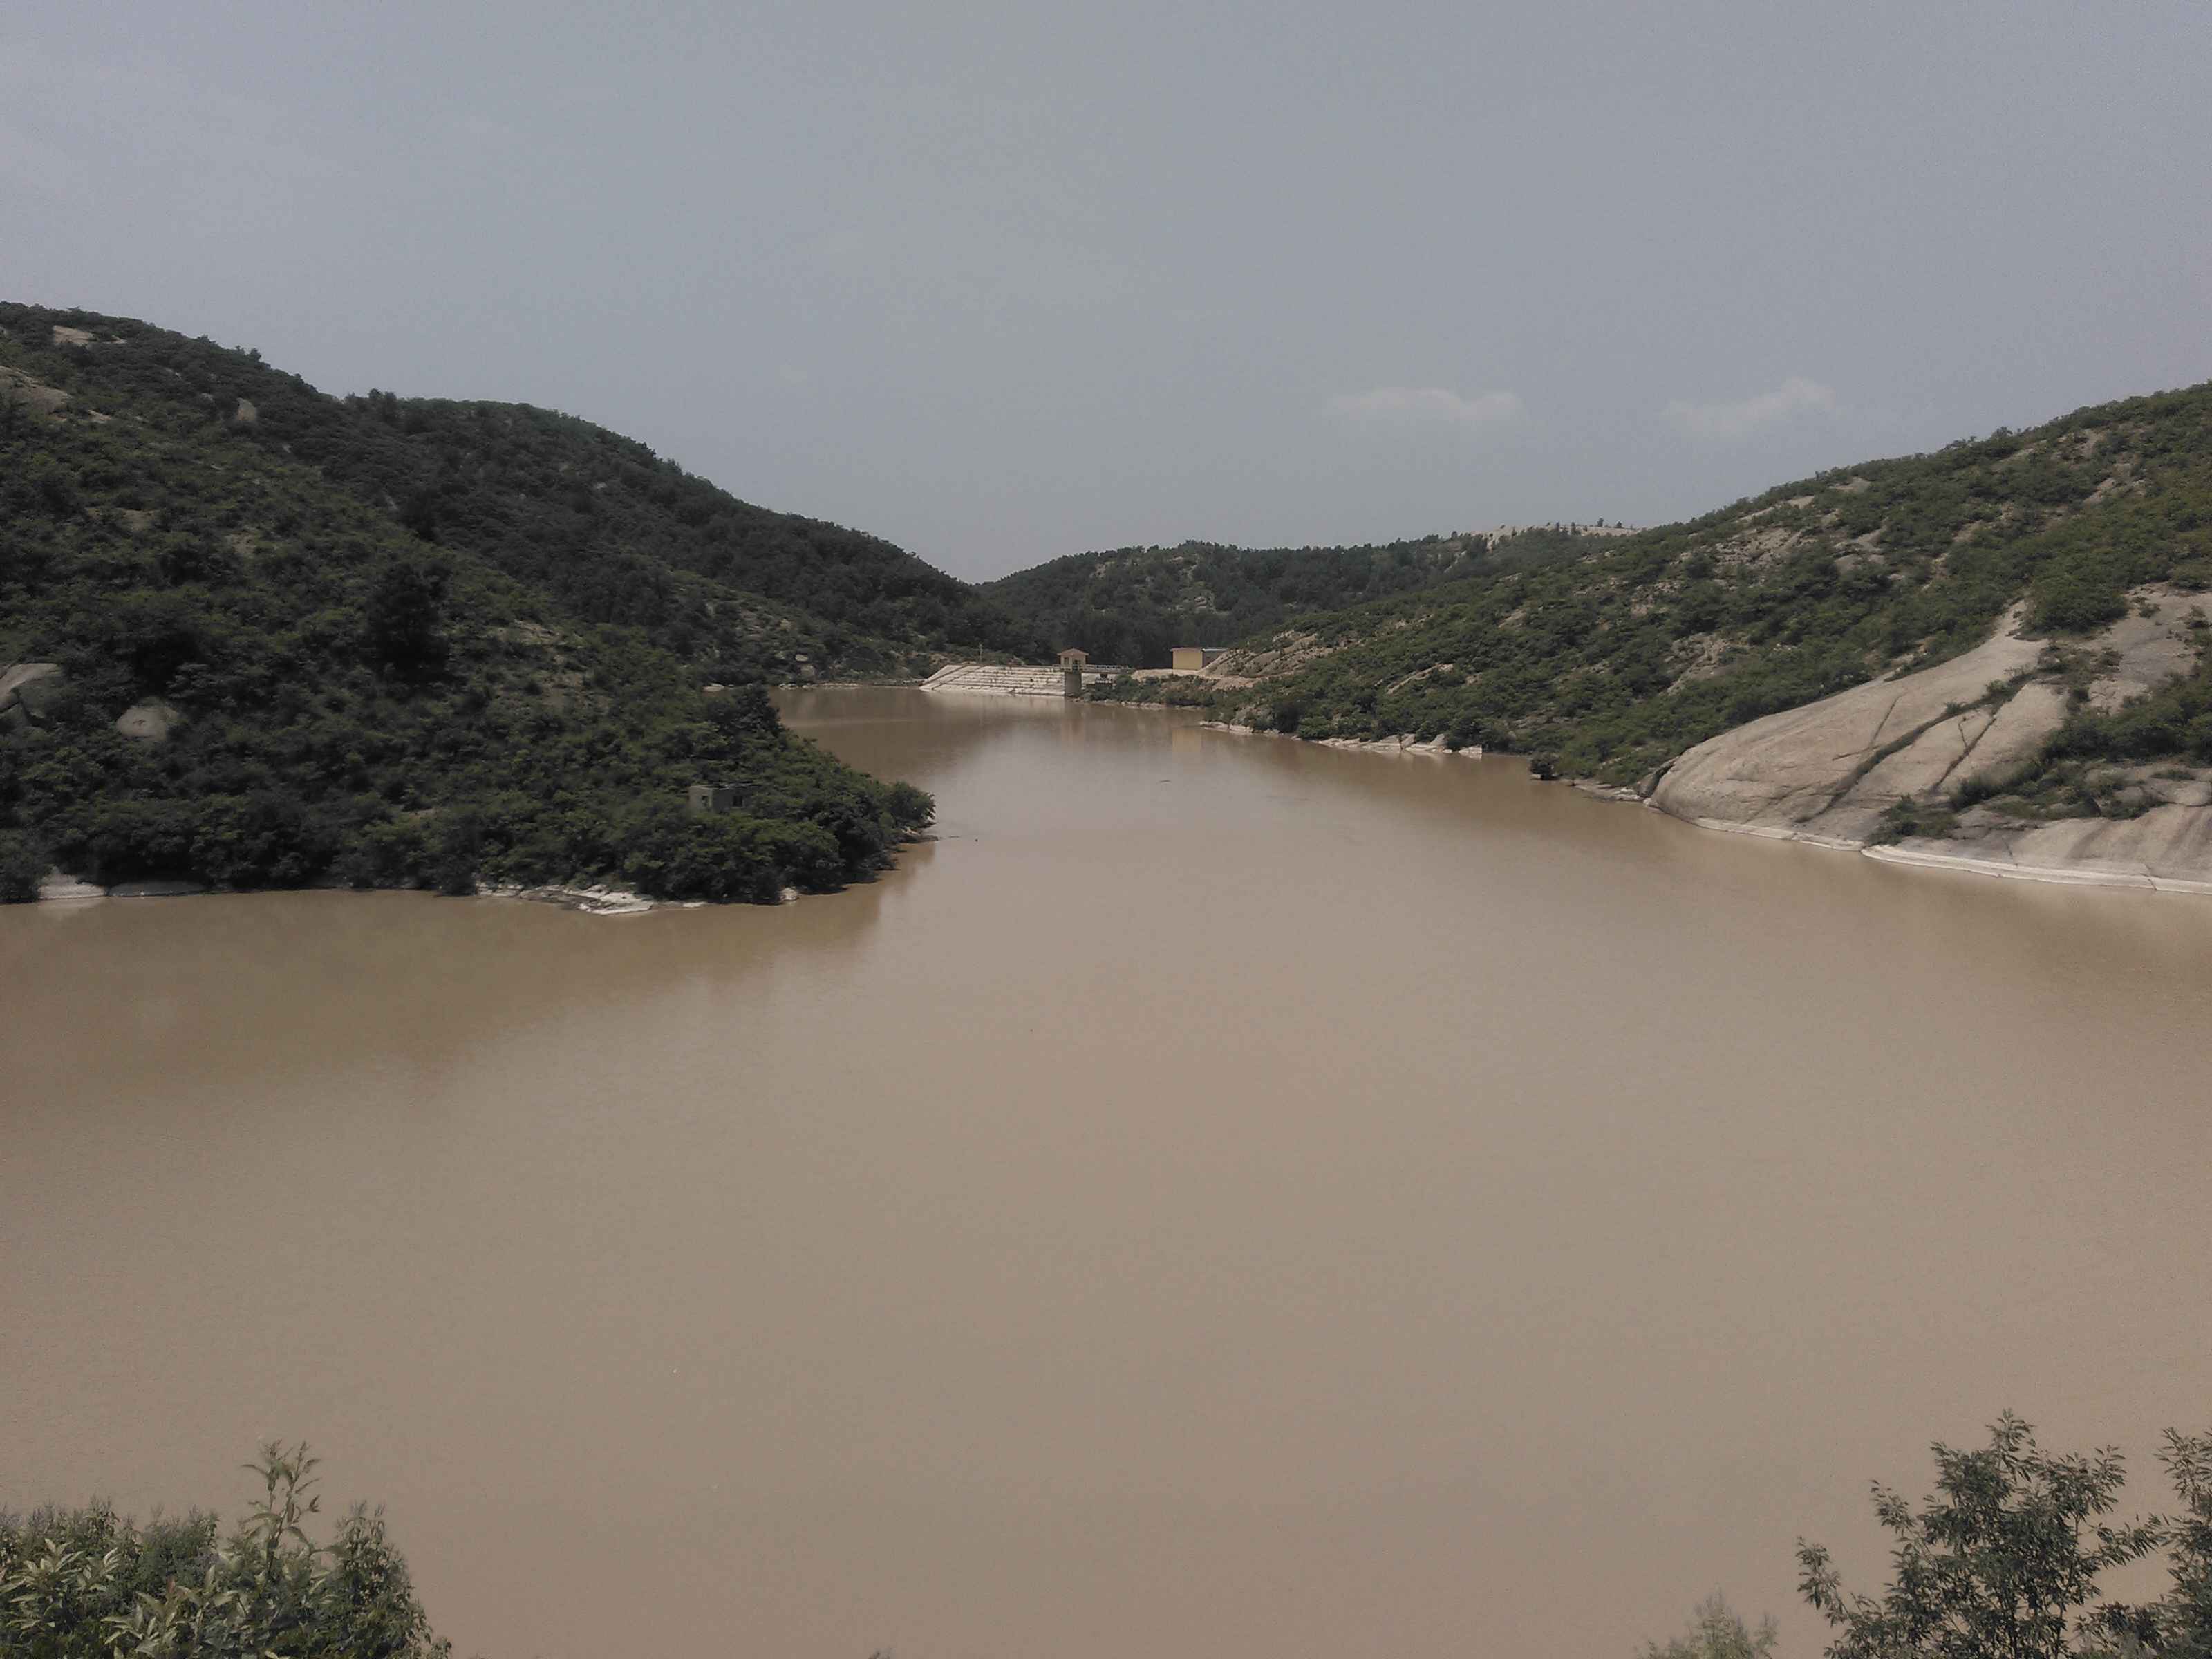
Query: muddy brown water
1225, 1197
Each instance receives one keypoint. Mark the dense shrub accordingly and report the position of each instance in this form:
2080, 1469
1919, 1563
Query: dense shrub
2076, 596
22, 867
90, 1584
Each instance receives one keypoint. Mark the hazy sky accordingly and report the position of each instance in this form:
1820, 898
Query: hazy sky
1003, 282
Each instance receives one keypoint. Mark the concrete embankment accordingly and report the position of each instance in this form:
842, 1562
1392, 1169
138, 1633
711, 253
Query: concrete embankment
1000, 679
1404, 744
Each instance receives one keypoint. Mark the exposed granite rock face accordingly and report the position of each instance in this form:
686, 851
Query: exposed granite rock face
1820, 771
2020, 730
2151, 648
150, 722
2168, 848
1404, 744
1829, 771
20, 389
27, 689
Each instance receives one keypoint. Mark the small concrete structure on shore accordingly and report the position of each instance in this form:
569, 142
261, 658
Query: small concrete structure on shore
705, 797
1193, 658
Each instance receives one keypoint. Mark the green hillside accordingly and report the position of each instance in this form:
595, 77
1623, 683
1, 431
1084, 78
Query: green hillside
610, 530
1618, 660
1134, 604
373, 641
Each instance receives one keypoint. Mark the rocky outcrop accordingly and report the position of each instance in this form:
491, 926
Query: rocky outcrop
1283, 653
2016, 734
27, 691
2168, 848
1947, 737
1404, 744
150, 722
1830, 769
20, 390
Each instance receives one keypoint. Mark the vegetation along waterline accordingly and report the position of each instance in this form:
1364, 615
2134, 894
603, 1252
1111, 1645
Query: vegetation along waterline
2006, 1559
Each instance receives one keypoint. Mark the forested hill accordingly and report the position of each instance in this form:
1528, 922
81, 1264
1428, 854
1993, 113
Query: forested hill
1619, 659
1134, 604
612, 531
255, 636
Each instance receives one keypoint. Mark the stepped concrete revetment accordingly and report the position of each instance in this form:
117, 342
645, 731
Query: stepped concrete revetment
1003, 679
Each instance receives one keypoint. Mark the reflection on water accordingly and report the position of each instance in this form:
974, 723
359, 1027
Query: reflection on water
1225, 1196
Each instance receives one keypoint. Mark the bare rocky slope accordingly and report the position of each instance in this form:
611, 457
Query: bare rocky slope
1942, 765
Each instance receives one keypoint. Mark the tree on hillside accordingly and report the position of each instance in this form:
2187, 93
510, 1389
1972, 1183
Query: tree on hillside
406, 606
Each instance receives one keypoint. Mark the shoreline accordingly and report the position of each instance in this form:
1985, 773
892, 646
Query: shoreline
1929, 856
596, 901
1404, 744
2144, 880
601, 899
606, 900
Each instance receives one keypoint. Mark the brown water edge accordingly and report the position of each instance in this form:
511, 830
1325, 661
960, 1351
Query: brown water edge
1222, 1197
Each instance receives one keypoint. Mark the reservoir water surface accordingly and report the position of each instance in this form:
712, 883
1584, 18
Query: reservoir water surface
1222, 1197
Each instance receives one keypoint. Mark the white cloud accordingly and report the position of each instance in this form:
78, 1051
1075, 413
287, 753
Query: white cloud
1428, 405
1746, 415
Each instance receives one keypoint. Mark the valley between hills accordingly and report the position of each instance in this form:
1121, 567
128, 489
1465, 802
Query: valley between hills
254, 635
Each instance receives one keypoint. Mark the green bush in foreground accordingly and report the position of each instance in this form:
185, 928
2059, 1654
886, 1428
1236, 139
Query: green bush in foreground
2005, 1560
86, 1584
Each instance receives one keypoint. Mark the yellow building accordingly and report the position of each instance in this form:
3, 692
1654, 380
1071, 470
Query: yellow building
1190, 658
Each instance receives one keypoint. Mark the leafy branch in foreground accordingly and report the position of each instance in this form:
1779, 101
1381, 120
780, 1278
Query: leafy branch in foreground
88, 1584
2004, 1561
